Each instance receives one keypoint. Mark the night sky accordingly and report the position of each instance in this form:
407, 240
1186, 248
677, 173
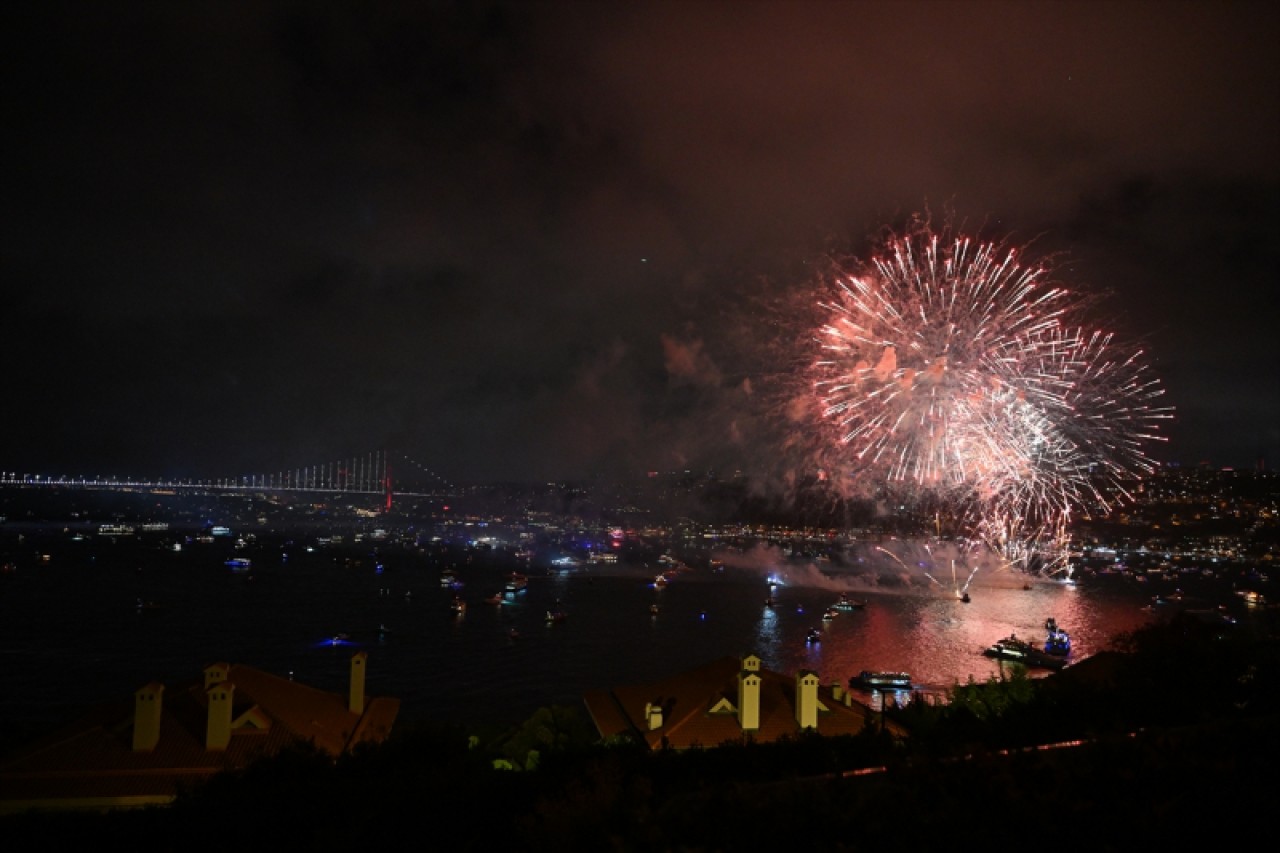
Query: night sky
542, 240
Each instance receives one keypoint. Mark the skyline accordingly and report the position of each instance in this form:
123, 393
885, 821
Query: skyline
528, 241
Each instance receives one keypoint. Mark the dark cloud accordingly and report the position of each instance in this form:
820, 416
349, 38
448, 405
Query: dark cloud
541, 239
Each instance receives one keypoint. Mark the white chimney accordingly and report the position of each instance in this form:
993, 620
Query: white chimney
147, 706
355, 702
749, 700
218, 731
807, 699
216, 673
653, 714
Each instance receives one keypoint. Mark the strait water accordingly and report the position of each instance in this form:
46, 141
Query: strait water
72, 634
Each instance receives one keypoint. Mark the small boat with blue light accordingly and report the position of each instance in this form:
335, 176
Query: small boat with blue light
1056, 641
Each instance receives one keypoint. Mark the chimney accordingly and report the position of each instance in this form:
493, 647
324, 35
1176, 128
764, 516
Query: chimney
653, 714
748, 699
216, 673
837, 690
355, 704
218, 732
807, 699
147, 704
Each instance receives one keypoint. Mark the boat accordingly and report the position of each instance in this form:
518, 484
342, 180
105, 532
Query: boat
556, 616
496, 598
1211, 616
1056, 641
239, 563
829, 614
660, 581
653, 610
1021, 651
846, 603
449, 579
964, 596
458, 606
516, 582
869, 680
813, 636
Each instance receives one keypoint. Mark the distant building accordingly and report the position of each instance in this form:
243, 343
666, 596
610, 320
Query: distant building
117, 757
729, 700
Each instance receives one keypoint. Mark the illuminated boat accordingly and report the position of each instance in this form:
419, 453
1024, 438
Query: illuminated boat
1023, 652
516, 582
458, 606
813, 636
846, 603
1211, 616
239, 563
869, 680
1056, 641
556, 616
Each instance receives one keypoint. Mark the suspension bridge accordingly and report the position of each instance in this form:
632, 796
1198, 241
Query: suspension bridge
367, 474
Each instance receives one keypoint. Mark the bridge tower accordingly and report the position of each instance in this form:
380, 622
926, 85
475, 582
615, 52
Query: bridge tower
386, 481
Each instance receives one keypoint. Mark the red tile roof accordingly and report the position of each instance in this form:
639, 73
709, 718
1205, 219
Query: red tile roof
92, 762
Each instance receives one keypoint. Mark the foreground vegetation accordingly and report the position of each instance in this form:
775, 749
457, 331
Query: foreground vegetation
1169, 738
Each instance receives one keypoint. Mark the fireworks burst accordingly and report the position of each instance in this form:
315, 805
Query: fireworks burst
948, 370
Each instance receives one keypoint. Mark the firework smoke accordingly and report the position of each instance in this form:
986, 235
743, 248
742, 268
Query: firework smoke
948, 374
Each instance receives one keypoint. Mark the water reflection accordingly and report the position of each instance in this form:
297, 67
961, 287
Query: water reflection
288, 620
768, 636
940, 640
